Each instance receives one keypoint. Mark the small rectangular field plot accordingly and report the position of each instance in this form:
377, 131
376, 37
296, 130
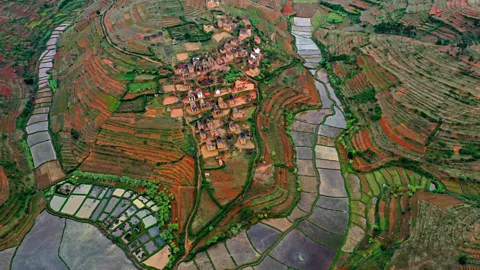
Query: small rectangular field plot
262, 236
99, 210
82, 189
143, 213
118, 192
220, 257
313, 117
153, 231
187, 266
203, 262
38, 137
269, 263
304, 153
305, 167
111, 204
330, 220
131, 210
331, 183
308, 183
303, 139
149, 221
241, 249
320, 236
303, 127
43, 152
37, 118
87, 208
121, 207
57, 202
298, 251
96, 191
339, 204
306, 201
109, 193
327, 164
301, 21
73, 204
324, 152
329, 131
41, 110
151, 247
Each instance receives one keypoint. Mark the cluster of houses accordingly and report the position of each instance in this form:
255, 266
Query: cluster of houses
223, 99
212, 138
238, 50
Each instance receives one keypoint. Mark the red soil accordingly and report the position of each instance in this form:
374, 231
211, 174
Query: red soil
288, 9
387, 128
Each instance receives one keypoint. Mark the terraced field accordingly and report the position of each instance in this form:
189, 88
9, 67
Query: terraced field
356, 145
311, 235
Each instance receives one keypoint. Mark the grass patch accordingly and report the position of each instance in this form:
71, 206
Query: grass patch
28, 153
137, 87
334, 18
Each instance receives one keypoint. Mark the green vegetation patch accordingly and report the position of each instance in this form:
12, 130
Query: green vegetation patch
138, 87
189, 31
334, 18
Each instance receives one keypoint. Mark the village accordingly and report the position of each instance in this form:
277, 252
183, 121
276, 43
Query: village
218, 106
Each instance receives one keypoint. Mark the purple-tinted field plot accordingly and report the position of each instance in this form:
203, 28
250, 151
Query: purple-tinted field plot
203, 262
38, 138
296, 214
327, 164
337, 120
220, 257
302, 126
99, 210
309, 183
331, 183
296, 250
340, 204
122, 206
151, 247
111, 204
303, 139
304, 152
187, 266
262, 236
39, 249
241, 249
330, 220
96, 190
5, 258
85, 247
322, 91
306, 201
313, 117
329, 131
268, 263
305, 167
318, 235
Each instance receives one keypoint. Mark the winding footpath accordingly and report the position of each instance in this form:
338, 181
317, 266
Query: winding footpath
39, 139
311, 236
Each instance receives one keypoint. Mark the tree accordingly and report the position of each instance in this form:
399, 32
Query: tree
75, 134
463, 260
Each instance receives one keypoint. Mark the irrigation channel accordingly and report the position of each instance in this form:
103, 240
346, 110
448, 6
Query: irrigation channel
39, 139
311, 236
